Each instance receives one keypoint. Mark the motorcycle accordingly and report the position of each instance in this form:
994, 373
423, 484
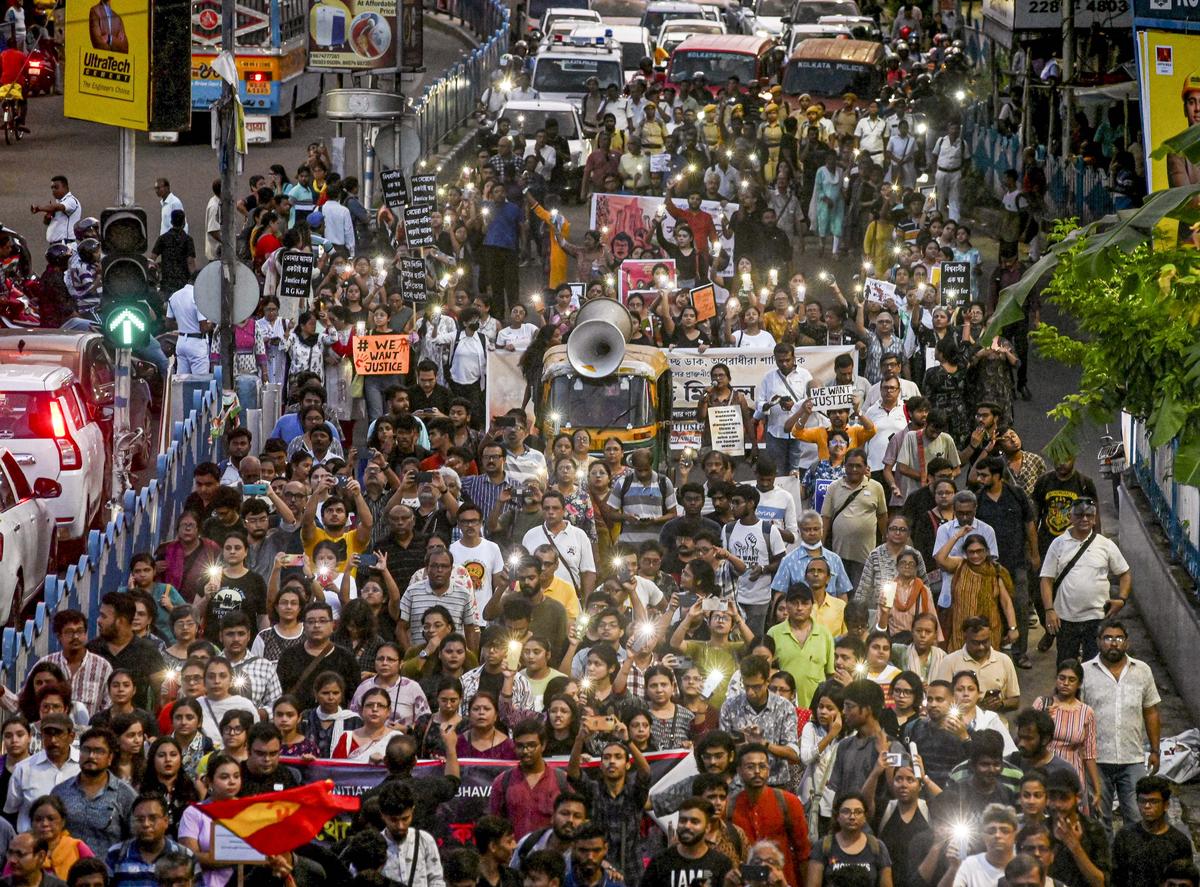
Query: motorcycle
18, 308
42, 62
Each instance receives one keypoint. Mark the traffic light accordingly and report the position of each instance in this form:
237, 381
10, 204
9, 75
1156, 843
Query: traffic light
127, 325
124, 271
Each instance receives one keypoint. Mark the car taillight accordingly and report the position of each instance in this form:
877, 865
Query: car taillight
68, 452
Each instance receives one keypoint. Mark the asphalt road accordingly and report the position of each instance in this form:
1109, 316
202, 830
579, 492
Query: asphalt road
87, 154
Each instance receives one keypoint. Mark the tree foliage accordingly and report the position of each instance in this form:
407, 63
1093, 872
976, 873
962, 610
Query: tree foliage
1136, 344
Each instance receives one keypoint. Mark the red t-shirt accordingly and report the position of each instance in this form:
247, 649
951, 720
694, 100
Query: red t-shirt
12, 63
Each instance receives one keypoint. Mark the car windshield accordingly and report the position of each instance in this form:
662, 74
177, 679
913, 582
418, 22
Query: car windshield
774, 8
819, 77
530, 121
632, 54
808, 12
716, 66
25, 415
653, 21
568, 75
612, 402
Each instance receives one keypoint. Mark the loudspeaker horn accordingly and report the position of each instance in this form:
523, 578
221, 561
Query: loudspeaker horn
597, 343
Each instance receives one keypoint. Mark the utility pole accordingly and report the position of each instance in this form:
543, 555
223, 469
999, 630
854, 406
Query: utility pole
123, 363
227, 162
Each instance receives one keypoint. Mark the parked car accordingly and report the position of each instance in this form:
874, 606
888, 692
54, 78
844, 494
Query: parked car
46, 425
90, 358
27, 537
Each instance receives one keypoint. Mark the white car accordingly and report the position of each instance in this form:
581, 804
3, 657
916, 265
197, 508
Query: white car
528, 116
676, 31
561, 68
634, 41
558, 14
662, 11
27, 542
764, 18
46, 426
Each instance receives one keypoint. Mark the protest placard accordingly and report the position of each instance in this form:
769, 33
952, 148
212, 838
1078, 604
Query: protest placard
876, 290
424, 190
381, 355
835, 397
412, 279
704, 300
418, 226
660, 162
956, 281
295, 275
645, 274
395, 191
727, 430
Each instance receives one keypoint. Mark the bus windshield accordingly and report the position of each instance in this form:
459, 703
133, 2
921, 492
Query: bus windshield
569, 75
717, 66
821, 77
612, 402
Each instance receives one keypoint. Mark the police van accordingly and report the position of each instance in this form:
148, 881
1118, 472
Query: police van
562, 67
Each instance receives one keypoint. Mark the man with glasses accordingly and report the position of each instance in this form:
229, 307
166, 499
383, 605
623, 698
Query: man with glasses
1076, 586
526, 795
965, 518
1026, 871
300, 664
480, 557
1142, 850
1036, 842
253, 676
86, 671
887, 414
98, 803
433, 588
38, 774
577, 563
132, 862
26, 857
548, 618
999, 827
993, 670
484, 488
794, 565
261, 771
1123, 694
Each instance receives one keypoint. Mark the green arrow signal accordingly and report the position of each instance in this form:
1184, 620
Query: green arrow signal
127, 326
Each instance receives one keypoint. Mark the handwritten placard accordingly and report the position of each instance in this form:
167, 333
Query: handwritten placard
412, 279
956, 281
835, 397
727, 430
704, 300
424, 190
381, 355
395, 191
418, 226
295, 275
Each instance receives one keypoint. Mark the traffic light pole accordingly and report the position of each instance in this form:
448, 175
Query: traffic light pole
126, 154
227, 160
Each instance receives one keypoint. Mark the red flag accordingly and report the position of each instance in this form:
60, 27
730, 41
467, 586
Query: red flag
281, 821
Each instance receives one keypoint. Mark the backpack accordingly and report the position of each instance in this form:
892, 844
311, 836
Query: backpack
529, 842
506, 783
827, 846
628, 480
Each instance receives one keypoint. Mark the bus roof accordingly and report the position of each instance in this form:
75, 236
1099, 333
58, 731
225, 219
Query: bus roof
742, 44
864, 52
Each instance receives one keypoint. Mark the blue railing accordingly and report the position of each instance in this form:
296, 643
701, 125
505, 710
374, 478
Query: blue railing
452, 98
147, 518
1175, 506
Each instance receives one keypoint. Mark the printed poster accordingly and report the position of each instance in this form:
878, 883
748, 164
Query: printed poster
107, 62
645, 274
357, 35
626, 223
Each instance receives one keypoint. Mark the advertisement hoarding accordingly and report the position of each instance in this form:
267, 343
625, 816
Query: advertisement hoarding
108, 65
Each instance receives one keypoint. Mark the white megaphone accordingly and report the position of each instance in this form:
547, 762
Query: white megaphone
597, 343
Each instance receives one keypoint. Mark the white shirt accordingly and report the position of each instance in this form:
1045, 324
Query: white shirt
649, 593
944, 532
1119, 704
1083, 592
63, 221
520, 338
976, 871
483, 563
887, 423
730, 180
575, 555
760, 341
950, 155
779, 508
428, 871
212, 228
182, 307
870, 135
773, 385
908, 388
33, 777
170, 203
215, 710
748, 543
468, 363
339, 225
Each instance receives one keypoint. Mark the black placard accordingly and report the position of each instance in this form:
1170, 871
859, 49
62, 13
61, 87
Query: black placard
418, 226
412, 279
424, 190
395, 190
295, 275
956, 281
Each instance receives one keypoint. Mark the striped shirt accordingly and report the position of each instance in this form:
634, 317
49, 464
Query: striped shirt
419, 597
257, 678
485, 494
651, 498
89, 683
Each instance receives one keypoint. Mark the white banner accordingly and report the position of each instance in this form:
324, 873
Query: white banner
505, 385
690, 378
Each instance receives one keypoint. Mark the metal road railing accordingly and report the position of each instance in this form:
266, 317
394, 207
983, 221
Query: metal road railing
1176, 506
